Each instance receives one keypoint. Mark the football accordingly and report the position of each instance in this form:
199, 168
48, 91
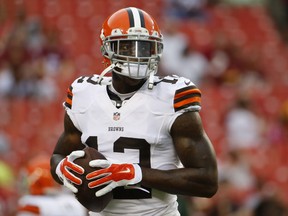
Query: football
85, 195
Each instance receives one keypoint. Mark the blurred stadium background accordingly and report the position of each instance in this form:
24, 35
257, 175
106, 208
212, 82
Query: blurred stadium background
46, 44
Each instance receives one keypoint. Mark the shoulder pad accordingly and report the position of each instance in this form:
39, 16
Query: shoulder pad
81, 93
187, 97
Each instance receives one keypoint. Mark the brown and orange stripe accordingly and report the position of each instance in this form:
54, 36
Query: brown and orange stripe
185, 97
29, 209
68, 101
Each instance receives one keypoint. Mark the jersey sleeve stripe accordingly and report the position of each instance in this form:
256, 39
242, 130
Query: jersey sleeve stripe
68, 101
188, 91
186, 103
29, 209
186, 97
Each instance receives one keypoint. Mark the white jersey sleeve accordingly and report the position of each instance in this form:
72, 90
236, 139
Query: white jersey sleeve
137, 132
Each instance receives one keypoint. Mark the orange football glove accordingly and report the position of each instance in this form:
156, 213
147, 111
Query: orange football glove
114, 175
65, 167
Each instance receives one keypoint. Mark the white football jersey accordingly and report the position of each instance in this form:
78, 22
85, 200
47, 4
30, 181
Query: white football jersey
137, 132
50, 205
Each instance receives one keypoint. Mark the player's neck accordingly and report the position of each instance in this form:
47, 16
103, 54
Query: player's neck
124, 85
121, 95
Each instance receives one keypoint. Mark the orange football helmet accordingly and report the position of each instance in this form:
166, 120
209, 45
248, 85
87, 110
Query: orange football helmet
131, 44
38, 175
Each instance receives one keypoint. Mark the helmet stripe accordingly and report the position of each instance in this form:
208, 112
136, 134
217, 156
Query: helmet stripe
142, 18
131, 19
136, 16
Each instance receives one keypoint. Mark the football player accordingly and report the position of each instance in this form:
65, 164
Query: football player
43, 196
149, 128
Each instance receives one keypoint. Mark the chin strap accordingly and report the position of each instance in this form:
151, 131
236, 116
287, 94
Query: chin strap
151, 78
104, 72
151, 81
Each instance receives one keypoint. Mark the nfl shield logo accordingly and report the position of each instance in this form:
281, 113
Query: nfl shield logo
116, 116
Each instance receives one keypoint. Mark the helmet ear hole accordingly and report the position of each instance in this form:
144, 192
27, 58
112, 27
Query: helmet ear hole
103, 50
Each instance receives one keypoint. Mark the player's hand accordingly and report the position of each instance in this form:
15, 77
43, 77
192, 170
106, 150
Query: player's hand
65, 167
113, 175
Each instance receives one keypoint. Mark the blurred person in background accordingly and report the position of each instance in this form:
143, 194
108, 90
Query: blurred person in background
237, 184
43, 196
220, 57
270, 207
30, 60
179, 57
224, 203
266, 192
55, 57
236, 171
174, 42
15, 72
193, 65
244, 127
186, 9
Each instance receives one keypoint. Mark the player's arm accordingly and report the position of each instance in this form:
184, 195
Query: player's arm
68, 142
199, 177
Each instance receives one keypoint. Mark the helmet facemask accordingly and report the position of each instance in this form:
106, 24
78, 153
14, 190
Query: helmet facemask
135, 55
